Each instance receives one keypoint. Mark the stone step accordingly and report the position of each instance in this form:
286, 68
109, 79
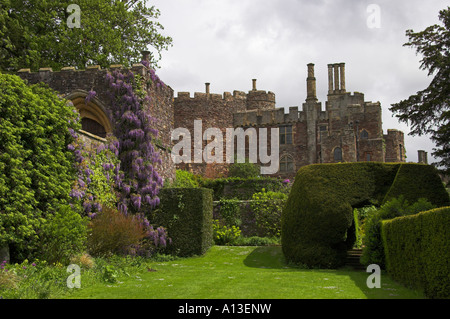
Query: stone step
353, 259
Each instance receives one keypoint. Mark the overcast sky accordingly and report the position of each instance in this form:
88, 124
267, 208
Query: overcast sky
230, 42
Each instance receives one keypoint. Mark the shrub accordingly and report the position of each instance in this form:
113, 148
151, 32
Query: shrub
267, 207
97, 171
184, 179
224, 235
229, 211
418, 250
64, 234
36, 167
319, 209
415, 181
244, 188
373, 251
244, 170
187, 215
112, 232
359, 217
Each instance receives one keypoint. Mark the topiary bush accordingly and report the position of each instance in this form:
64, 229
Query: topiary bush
36, 166
319, 209
418, 251
187, 215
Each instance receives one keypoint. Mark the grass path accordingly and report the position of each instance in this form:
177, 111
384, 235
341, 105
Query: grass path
241, 273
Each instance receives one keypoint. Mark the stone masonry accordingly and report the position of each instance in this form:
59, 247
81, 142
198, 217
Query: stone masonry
348, 129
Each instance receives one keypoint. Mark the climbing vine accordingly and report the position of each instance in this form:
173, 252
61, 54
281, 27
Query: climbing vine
139, 182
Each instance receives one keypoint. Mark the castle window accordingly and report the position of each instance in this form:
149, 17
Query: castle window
93, 127
285, 134
368, 156
286, 164
364, 135
337, 154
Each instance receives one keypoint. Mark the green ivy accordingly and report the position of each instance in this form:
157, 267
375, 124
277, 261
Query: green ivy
36, 166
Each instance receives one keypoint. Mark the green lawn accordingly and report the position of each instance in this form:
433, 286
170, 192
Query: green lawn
242, 272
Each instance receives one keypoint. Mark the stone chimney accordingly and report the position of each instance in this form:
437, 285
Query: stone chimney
145, 56
342, 76
311, 83
207, 88
336, 78
254, 84
422, 156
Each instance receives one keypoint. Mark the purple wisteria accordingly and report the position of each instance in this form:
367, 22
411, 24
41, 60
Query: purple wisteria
133, 127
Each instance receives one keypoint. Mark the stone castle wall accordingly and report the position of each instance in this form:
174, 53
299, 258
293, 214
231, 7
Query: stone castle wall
348, 123
75, 85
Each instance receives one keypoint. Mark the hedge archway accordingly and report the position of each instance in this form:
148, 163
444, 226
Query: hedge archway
318, 212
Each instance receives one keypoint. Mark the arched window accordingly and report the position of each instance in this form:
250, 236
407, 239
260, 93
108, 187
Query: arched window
93, 117
286, 164
364, 135
337, 154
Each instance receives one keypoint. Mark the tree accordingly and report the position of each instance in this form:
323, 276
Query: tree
428, 111
42, 33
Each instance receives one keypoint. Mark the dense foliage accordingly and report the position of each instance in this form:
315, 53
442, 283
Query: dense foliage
244, 188
187, 215
319, 209
267, 207
373, 251
244, 170
40, 33
427, 111
114, 233
184, 179
97, 173
418, 251
36, 166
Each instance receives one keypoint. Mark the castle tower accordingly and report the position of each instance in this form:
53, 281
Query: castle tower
260, 100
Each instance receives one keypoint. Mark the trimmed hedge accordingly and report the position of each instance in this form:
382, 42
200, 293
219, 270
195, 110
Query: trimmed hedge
417, 249
415, 181
319, 210
243, 188
186, 213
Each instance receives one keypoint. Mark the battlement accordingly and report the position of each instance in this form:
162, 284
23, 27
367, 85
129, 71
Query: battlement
202, 96
392, 133
254, 99
275, 116
137, 68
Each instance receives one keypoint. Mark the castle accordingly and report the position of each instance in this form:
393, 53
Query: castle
348, 130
